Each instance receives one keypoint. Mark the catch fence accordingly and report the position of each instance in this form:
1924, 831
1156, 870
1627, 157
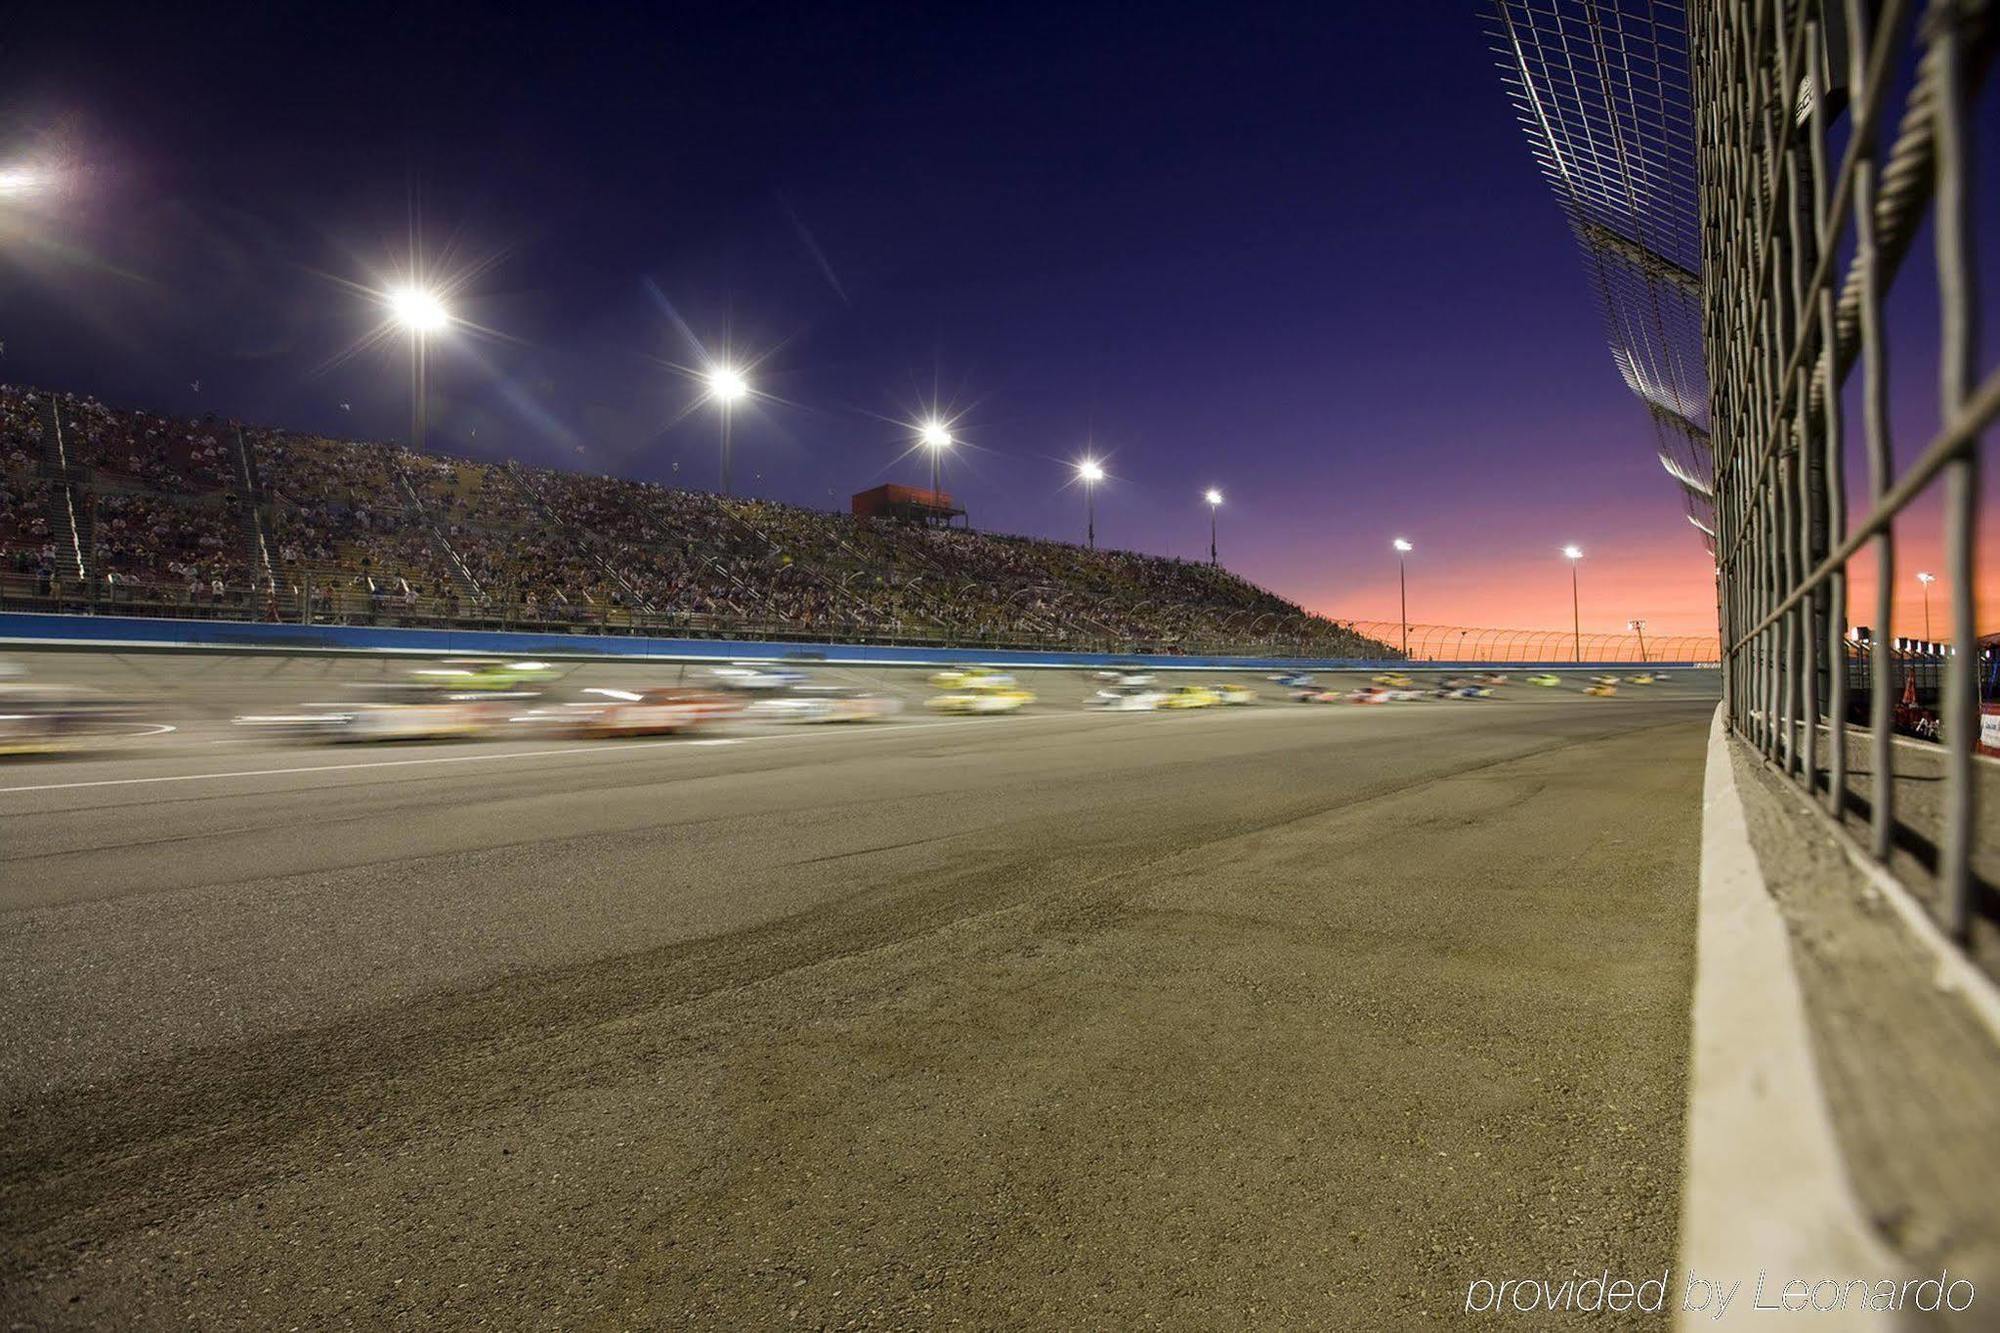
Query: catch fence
1463, 643
1835, 141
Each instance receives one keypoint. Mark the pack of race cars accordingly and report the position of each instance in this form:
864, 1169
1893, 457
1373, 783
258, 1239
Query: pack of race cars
526, 699
484, 697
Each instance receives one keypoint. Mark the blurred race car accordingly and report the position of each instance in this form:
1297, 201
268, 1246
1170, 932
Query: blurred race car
824, 703
407, 712
485, 673
1490, 678
1601, 687
1544, 679
1126, 698
655, 712
1463, 689
1234, 696
1394, 680
1124, 676
1604, 680
1005, 699
1377, 694
1294, 680
47, 719
971, 678
1643, 678
1315, 695
756, 679
1190, 696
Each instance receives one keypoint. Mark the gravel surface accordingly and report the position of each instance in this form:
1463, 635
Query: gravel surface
1275, 1016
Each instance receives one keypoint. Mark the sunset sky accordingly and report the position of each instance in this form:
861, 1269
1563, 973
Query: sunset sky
1300, 254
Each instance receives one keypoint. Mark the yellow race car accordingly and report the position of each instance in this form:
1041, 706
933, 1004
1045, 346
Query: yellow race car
1395, 680
1234, 694
1191, 696
1601, 689
1643, 678
971, 678
1007, 699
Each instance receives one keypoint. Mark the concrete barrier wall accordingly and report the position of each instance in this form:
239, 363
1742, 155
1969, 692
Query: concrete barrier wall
144, 632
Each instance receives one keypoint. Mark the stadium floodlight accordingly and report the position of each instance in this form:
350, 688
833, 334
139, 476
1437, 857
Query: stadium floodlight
1927, 580
420, 313
936, 437
728, 386
1090, 472
1214, 498
418, 310
1574, 554
24, 181
1403, 548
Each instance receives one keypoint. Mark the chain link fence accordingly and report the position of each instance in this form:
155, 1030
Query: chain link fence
1835, 141
1465, 643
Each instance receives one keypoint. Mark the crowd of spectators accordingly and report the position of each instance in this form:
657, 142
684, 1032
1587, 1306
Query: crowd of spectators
276, 519
28, 551
160, 452
193, 545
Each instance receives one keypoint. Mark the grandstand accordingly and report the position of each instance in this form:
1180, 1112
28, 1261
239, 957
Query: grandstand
105, 509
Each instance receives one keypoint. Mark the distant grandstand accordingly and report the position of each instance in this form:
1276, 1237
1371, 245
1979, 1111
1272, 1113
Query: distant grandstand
106, 510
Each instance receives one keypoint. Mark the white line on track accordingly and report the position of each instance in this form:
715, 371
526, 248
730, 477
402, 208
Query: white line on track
600, 749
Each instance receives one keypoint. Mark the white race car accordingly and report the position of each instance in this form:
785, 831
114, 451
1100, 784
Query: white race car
756, 679
824, 703
1126, 699
1379, 694
394, 713
1234, 694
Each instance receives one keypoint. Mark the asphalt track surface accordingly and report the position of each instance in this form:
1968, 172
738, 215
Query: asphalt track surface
1282, 1015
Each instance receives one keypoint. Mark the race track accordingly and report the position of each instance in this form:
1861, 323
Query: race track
1265, 1016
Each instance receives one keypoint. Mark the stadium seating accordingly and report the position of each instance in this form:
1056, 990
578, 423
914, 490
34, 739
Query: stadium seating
208, 517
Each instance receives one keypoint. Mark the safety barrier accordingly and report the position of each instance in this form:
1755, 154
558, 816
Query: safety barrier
32, 628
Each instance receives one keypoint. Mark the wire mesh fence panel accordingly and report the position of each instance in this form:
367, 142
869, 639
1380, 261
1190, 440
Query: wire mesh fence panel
1466, 643
1834, 145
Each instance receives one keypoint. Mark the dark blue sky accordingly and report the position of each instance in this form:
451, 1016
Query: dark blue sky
1297, 252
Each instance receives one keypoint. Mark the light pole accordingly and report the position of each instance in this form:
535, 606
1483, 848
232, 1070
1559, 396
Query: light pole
1574, 554
1403, 548
1927, 580
1214, 498
935, 437
422, 314
727, 387
1090, 471
1639, 627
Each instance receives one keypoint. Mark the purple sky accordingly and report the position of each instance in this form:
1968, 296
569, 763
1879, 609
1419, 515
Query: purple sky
1299, 253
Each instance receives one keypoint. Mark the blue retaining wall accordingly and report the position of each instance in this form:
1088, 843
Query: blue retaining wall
32, 628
